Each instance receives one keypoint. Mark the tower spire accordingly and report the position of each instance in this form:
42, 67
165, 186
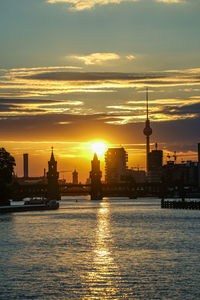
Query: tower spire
95, 176
52, 155
53, 192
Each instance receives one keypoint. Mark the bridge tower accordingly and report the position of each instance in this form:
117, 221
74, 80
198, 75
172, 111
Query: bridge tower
95, 176
75, 177
53, 192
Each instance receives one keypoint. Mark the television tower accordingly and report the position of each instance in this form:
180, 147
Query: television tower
147, 131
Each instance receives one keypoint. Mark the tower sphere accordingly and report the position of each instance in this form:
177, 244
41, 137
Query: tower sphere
147, 130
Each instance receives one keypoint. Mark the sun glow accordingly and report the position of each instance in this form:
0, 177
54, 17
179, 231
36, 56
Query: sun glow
98, 147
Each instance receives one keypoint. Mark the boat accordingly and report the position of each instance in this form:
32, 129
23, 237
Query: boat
30, 206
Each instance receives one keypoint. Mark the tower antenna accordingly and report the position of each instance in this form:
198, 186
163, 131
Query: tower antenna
147, 102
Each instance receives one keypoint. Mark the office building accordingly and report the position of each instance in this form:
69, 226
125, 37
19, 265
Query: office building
199, 165
137, 176
155, 160
115, 165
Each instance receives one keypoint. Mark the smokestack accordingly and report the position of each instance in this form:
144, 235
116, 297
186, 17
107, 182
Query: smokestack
25, 156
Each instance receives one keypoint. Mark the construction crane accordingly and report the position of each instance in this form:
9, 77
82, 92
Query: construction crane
174, 156
65, 171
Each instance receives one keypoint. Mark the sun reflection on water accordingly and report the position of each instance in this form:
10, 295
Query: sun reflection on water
103, 278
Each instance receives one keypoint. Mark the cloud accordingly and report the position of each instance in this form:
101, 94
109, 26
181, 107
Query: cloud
87, 4
79, 5
183, 110
98, 76
95, 58
32, 92
19, 107
160, 110
170, 1
41, 82
113, 80
130, 57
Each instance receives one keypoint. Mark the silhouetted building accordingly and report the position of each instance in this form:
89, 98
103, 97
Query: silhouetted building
25, 161
138, 176
88, 181
199, 165
155, 160
95, 176
147, 131
52, 177
115, 165
75, 177
186, 174
181, 174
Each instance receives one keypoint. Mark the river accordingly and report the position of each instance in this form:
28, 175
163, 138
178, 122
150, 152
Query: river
110, 249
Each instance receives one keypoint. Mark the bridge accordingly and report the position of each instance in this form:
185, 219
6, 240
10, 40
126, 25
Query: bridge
21, 191
51, 188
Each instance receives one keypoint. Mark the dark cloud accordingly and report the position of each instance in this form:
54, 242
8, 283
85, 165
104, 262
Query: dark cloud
25, 101
15, 108
94, 76
182, 148
173, 134
182, 110
7, 107
180, 132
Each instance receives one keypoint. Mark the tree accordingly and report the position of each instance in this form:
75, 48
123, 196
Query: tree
7, 163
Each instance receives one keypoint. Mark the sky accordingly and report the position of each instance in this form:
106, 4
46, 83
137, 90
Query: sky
75, 71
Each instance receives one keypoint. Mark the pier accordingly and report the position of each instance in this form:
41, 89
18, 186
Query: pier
180, 204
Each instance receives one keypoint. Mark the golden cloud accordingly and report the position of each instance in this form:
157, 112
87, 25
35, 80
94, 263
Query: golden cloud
39, 83
88, 4
130, 57
95, 58
170, 1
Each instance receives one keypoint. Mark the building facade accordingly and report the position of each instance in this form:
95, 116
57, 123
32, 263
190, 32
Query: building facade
155, 159
184, 173
115, 165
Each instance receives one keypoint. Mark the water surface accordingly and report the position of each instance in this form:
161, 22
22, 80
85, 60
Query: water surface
111, 249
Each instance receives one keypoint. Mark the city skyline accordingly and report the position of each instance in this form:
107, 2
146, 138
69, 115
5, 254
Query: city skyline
73, 73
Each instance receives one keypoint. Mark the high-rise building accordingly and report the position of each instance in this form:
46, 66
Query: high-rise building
75, 177
25, 160
137, 176
155, 158
147, 131
115, 165
198, 152
185, 173
199, 165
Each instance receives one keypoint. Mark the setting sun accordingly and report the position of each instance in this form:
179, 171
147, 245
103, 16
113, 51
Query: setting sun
99, 147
